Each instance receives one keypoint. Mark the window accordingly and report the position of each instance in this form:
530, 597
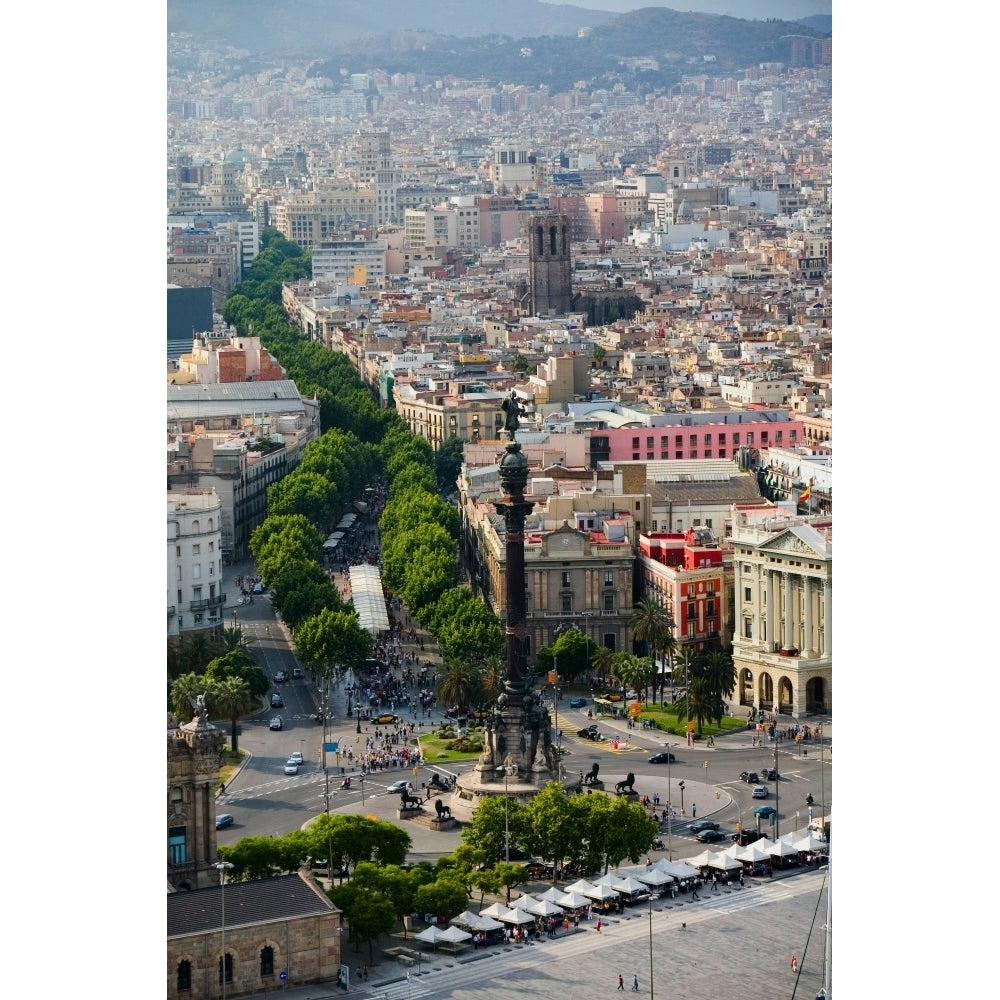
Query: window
195, 571
211, 546
747, 629
267, 961
710, 608
228, 965
196, 549
692, 611
179, 574
609, 578
747, 594
708, 439
635, 443
180, 596
567, 605
177, 550
694, 454
609, 602
736, 439
693, 440
184, 975
566, 579
177, 845
211, 568
196, 593
678, 440
708, 520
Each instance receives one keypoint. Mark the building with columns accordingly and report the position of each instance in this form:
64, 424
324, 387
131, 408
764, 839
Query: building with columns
783, 590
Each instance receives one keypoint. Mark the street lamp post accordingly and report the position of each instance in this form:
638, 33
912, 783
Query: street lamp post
670, 812
506, 769
650, 901
680, 785
776, 783
223, 867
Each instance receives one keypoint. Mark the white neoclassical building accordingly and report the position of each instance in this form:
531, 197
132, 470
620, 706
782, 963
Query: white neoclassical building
195, 597
783, 590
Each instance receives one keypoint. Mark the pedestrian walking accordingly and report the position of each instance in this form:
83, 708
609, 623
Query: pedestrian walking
364, 973
694, 811
621, 983
794, 964
635, 983
599, 925
742, 883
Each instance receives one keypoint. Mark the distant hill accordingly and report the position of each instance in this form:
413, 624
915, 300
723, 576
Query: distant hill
313, 25
492, 43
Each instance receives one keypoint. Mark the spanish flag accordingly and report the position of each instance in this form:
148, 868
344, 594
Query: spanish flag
804, 495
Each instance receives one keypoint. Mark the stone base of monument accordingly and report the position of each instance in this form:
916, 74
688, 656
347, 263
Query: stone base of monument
409, 813
445, 823
597, 786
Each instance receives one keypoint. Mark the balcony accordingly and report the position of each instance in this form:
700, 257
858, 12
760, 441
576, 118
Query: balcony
208, 602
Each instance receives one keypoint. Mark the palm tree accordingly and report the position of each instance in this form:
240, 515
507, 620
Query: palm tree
183, 692
196, 651
491, 679
601, 661
233, 638
719, 671
652, 624
231, 698
459, 685
683, 672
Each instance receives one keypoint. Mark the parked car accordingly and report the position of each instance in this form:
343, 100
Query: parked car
745, 837
222, 820
699, 826
589, 733
538, 869
275, 722
297, 674
276, 701
577, 702
769, 773
297, 757
708, 836
759, 792
663, 757
750, 777
291, 767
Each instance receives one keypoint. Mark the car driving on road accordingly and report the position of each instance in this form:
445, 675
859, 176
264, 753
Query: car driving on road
297, 757
222, 820
699, 826
399, 786
750, 777
759, 792
663, 757
291, 767
275, 723
708, 836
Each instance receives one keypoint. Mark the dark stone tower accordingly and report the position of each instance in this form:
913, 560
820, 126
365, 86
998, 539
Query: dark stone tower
193, 759
549, 265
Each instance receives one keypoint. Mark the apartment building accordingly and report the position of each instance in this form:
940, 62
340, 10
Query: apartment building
311, 218
357, 262
237, 438
195, 596
691, 576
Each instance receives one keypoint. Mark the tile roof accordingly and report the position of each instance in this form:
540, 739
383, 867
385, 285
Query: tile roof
259, 901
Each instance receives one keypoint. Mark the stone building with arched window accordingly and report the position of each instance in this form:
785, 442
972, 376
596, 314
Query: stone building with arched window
280, 931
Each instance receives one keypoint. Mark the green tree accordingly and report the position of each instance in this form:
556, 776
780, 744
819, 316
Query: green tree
183, 693
601, 661
240, 664
446, 896
333, 639
511, 876
231, 697
553, 829
369, 915
233, 639
448, 463
618, 829
493, 816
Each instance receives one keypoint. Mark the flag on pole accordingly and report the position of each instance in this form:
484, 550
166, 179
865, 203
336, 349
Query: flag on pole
804, 495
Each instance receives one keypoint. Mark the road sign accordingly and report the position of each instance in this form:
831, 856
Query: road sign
331, 747
282, 974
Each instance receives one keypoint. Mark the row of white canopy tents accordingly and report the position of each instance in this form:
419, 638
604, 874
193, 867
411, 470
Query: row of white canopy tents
345, 525
656, 879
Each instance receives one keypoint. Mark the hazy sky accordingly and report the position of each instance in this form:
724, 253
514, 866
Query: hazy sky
787, 10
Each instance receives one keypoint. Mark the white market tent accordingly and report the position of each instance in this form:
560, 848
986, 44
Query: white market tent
430, 935
496, 910
573, 901
655, 877
518, 916
543, 908
552, 894
580, 885
368, 598
454, 935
